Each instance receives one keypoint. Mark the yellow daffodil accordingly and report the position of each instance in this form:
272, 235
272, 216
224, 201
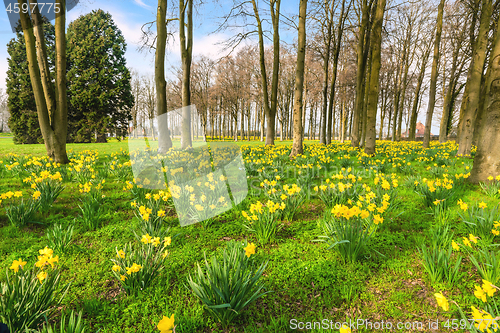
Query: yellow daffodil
345, 329
488, 288
146, 239
473, 238
121, 254
16, 264
250, 249
442, 301
166, 324
479, 293
41, 276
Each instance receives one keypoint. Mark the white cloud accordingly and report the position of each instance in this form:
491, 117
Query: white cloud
142, 4
210, 46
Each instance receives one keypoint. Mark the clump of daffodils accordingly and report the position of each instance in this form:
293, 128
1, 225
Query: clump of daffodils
136, 267
29, 295
483, 320
263, 220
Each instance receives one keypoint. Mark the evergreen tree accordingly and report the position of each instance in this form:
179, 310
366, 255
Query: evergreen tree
99, 87
23, 119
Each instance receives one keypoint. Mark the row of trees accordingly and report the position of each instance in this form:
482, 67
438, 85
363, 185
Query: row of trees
98, 91
357, 57
231, 87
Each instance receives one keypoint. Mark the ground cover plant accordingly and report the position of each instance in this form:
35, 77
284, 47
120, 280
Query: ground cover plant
399, 236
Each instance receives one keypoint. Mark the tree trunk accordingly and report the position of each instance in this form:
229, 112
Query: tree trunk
382, 115
340, 31
52, 125
474, 85
298, 130
164, 141
186, 9
414, 109
360, 75
487, 159
371, 111
326, 68
434, 74
443, 129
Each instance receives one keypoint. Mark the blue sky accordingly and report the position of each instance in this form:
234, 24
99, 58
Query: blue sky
129, 16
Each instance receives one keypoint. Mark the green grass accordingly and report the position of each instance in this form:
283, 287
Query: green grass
309, 282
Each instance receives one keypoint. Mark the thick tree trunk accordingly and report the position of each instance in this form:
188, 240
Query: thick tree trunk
434, 74
364, 118
52, 125
360, 75
269, 110
101, 138
487, 159
164, 141
474, 85
298, 130
186, 10
371, 111
275, 17
443, 129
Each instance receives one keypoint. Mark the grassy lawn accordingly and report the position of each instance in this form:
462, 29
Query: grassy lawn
309, 281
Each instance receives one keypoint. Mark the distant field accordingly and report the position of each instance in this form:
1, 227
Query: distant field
7, 145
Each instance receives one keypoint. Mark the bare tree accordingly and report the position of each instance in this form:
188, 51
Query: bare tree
51, 105
434, 74
376, 41
298, 130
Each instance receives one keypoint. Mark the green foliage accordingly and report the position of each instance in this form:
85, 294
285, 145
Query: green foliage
23, 120
350, 238
49, 191
440, 265
137, 267
264, 221
440, 236
68, 324
25, 302
443, 191
92, 214
98, 80
22, 213
480, 221
226, 287
487, 263
59, 237
151, 215
438, 260
491, 188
